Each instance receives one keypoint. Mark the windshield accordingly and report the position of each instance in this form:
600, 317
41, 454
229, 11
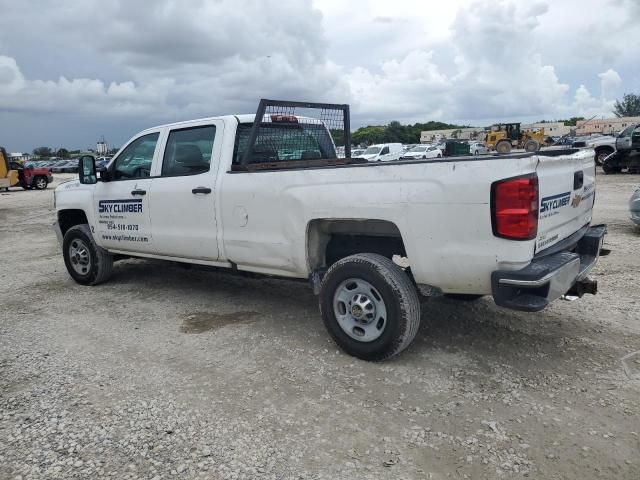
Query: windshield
626, 132
372, 150
418, 149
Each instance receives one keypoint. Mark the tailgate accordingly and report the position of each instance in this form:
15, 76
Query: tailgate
567, 191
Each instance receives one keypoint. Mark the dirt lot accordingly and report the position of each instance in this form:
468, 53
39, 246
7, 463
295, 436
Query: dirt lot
171, 373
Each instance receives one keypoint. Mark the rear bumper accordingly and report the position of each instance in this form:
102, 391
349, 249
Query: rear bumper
547, 278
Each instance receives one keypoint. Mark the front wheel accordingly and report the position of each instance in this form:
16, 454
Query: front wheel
531, 146
369, 306
87, 263
503, 146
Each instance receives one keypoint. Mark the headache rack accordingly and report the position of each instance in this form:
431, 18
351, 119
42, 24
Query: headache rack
288, 134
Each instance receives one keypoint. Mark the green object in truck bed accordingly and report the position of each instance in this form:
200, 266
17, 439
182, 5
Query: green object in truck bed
455, 147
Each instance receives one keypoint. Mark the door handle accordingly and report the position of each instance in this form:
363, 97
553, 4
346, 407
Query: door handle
138, 192
201, 190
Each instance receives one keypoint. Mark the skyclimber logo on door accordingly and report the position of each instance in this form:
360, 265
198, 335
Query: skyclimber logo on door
120, 206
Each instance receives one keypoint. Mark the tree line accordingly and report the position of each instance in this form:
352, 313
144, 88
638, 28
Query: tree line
394, 132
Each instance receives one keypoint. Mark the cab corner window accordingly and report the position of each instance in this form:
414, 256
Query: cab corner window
188, 151
135, 160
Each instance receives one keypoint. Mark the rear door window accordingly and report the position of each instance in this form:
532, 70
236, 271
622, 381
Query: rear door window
188, 151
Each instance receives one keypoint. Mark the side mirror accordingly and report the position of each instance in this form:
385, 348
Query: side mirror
87, 170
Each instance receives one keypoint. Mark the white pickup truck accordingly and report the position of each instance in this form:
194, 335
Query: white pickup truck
271, 197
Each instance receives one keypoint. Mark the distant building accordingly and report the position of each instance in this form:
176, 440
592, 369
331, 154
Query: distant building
101, 148
552, 129
20, 156
605, 125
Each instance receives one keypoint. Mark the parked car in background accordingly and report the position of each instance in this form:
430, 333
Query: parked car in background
32, 177
564, 141
71, 166
603, 146
422, 151
357, 152
634, 207
383, 152
478, 148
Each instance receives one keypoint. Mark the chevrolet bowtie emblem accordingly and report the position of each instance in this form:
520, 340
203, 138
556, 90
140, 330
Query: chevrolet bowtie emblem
576, 201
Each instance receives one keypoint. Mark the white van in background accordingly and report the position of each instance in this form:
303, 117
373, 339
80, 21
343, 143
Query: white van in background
383, 152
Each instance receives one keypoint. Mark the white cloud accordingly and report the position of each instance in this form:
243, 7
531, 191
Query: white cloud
610, 83
134, 62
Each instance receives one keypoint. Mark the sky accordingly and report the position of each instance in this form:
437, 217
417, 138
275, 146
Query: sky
73, 71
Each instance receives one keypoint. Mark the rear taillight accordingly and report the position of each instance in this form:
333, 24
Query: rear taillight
514, 208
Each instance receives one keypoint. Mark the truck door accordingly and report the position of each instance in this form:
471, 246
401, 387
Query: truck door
183, 209
623, 140
121, 205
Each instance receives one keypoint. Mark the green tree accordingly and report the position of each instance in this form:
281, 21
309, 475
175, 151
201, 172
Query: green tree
573, 121
629, 106
62, 153
396, 132
368, 135
338, 137
42, 152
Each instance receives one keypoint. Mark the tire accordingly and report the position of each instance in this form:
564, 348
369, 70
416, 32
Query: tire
394, 316
608, 169
87, 263
40, 183
475, 152
531, 146
601, 155
503, 146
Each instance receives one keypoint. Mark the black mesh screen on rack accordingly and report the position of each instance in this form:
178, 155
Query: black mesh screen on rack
298, 133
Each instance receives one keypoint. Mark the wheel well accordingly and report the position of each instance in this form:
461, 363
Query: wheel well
70, 218
330, 240
603, 148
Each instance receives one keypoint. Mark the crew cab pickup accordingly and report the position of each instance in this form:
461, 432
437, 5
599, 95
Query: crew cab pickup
265, 193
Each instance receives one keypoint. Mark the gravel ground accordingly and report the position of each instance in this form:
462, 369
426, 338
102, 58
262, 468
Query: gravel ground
166, 372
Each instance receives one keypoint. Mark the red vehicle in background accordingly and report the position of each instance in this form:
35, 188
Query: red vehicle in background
32, 177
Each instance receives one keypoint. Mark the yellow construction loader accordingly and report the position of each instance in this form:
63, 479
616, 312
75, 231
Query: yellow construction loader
8, 177
505, 136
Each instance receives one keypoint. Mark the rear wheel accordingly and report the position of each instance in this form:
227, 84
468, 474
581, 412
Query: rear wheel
87, 263
40, 183
503, 146
369, 306
531, 146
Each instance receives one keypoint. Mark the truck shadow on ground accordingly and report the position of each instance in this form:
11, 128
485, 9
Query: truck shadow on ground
484, 333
